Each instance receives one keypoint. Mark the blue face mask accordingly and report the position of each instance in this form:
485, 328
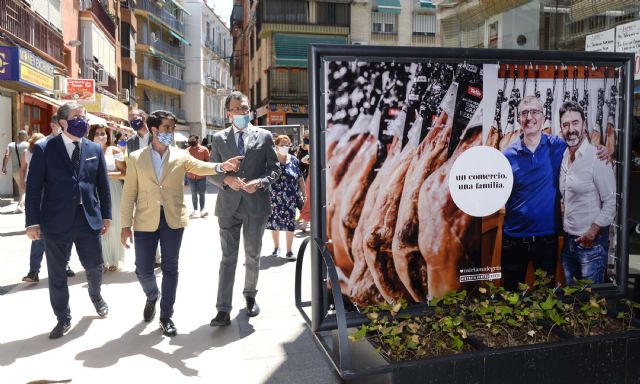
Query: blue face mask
122, 143
77, 127
136, 124
165, 138
241, 121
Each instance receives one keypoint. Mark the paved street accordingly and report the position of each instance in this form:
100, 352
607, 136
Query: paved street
274, 347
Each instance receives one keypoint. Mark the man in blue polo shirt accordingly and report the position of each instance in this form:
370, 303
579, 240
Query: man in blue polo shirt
532, 219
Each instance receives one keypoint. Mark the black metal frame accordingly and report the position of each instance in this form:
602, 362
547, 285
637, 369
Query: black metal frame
323, 269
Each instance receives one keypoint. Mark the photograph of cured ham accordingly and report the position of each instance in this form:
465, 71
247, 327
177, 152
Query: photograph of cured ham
393, 132
591, 87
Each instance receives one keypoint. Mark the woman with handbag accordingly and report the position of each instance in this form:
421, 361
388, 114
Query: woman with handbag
287, 194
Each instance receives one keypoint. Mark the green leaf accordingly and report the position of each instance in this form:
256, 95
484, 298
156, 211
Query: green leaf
359, 334
548, 303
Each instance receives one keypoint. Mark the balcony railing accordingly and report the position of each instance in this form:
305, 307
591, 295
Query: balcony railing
150, 106
90, 71
20, 22
162, 46
164, 15
384, 36
100, 12
162, 78
288, 84
428, 39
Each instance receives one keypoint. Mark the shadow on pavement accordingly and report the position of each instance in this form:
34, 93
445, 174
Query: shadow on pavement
80, 278
133, 343
267, 262
14, 350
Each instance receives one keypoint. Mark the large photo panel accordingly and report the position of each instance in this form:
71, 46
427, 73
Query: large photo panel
440, 174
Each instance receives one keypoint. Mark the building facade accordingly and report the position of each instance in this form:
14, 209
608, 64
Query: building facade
160, 58
32, 54
208, 73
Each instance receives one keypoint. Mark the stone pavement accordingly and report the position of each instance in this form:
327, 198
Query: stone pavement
274, 347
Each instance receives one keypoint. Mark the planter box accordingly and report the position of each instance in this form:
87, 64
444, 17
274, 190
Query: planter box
611, 359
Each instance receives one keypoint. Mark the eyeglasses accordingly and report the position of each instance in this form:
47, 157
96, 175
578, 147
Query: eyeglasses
243, 109
533, 113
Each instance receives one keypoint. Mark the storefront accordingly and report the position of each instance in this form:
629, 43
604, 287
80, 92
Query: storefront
283, 114
24, 76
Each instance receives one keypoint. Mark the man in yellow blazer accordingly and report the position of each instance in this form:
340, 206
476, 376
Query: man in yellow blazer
153, 186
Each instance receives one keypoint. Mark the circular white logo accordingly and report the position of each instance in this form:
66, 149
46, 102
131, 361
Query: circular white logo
480, 181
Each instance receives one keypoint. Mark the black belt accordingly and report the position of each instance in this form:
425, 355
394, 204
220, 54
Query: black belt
530, 239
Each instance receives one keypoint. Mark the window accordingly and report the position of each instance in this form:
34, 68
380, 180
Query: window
384, 22
285, 11
332, 14
424, 25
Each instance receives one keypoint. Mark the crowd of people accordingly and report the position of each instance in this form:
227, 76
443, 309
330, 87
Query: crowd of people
85, 186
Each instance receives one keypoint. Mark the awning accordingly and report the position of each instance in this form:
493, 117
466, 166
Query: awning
388, 6
179, 37
427, 4
181, 7
93, 119
291, 50
47, 99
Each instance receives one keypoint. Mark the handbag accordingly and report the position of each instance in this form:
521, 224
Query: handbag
299, 200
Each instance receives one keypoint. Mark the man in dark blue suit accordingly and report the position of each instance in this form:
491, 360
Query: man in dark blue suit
68, 202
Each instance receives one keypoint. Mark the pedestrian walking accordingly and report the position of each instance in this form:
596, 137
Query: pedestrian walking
198, 184
13, 153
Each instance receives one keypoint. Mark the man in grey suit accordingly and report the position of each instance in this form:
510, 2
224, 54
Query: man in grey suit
138, 121
243, 201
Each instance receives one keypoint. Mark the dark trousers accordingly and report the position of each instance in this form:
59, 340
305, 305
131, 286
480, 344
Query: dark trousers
198, 189
146, 244
517, 252
89, 248
36, 255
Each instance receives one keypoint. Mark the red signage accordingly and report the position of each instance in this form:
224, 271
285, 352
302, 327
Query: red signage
80, 90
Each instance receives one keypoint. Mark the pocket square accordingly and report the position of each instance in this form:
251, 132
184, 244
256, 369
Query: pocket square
91, 158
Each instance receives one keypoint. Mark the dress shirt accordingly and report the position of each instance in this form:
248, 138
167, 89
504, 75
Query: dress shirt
143, 140
159, 161
245, 135
533, 209
588, 186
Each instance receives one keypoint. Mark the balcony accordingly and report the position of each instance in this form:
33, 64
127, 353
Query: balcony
90, 70
162, 78
288, 84
161, 46
150, 106
101, 14
18, 21
161, 13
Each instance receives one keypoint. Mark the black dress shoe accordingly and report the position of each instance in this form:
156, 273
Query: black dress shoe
168, 328
60, 329
222, 319
252, 307
101, 307
149, 310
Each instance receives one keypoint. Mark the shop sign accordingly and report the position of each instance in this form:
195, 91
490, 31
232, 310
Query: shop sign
107, 106
80, 90
628, 40
601, 42
288, 108
22, 65
277, 118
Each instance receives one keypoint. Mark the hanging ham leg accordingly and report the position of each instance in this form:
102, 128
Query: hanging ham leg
447, 235
610, 142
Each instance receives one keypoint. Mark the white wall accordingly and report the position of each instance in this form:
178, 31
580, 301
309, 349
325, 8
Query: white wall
525, 21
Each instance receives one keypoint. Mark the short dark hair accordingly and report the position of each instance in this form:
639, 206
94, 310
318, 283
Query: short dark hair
571, 106
192, 136
156, 117
138, 111
235, 95
65, 110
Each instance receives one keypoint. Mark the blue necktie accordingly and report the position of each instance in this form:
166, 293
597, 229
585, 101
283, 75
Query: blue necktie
240, 143
75, 157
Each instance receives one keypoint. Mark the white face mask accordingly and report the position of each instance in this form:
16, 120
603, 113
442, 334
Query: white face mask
283, 150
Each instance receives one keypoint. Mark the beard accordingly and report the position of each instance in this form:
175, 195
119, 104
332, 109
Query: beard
573, 139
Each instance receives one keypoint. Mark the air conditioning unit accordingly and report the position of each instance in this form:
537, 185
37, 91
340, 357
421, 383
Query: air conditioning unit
59, 84
124, 95
102, 77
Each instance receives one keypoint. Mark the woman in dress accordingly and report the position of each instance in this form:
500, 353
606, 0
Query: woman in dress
284, 192
112, 248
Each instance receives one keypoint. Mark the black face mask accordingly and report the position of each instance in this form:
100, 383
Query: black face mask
193, 143
305, 141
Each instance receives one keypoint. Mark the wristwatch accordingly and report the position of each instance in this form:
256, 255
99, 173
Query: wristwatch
220, 170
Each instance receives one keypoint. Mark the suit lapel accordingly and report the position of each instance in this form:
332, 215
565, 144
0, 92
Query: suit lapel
84, 152
253, 138
231, 140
